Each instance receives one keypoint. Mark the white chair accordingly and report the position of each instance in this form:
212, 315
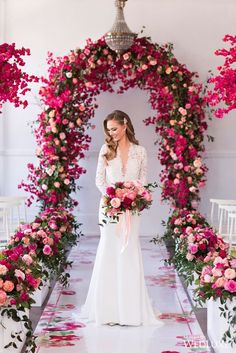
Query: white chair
225, 211
220, 211
11, 215
232, 229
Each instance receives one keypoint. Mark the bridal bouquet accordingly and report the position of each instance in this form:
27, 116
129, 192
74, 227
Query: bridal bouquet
127, 196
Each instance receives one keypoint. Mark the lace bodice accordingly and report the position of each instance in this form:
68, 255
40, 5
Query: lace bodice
110, 172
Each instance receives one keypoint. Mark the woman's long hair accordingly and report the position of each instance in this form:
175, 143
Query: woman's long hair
123, 119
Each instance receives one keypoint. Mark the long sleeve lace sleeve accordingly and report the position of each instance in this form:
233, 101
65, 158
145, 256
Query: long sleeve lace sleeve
143, 167
100, 179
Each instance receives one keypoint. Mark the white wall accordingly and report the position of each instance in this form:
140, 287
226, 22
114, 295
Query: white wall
195, 27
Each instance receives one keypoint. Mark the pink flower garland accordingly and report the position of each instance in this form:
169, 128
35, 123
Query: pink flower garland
13, 81
224, 84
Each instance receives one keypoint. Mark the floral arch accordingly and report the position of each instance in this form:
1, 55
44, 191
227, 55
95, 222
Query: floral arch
69, 95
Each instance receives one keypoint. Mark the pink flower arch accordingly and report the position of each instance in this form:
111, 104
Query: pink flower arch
69, 95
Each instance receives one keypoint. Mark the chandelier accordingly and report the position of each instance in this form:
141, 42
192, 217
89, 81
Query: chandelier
120, 38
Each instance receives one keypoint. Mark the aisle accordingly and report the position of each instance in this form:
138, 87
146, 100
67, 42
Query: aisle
60, 330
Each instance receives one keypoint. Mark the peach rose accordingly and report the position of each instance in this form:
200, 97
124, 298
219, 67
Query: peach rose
8, 286
197, 163
3, 297
230, 273
220, 282
168, 70
3, 269
115, 202
79, 122
51, 114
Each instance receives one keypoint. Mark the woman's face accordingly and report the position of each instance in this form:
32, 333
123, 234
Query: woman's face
116, 130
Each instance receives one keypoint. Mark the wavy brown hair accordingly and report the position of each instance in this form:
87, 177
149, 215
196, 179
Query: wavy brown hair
123, 119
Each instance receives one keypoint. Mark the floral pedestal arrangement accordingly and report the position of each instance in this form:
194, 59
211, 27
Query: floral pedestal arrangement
217, 325
10, 328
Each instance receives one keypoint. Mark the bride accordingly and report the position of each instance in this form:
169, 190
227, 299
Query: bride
117, 293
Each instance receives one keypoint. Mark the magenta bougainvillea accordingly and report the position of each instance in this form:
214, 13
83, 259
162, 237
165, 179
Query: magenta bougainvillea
69, 95
13, 81
224, 83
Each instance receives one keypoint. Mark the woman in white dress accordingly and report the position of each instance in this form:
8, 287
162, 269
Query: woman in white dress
117, 293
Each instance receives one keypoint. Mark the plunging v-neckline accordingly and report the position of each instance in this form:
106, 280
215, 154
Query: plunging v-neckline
124, 165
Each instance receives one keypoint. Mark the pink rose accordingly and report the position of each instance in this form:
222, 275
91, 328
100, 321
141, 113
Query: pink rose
188, 230
3, 297
13, 301
193, 248
24, 296
47, 250
126, 56
19, 274
153, 62
57, 184
230, 286
216, 272
115, 202
27, 259
146, 194
182, 111
66, 181
178, 221
233, 262
62, 135
131, 195
82, 107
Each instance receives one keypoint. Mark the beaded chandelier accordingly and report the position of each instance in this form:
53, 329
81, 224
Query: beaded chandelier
120, 38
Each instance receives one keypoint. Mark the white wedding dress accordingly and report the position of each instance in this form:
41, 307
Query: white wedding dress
117, 291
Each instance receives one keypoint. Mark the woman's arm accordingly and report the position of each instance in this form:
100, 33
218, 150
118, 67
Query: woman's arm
100, 179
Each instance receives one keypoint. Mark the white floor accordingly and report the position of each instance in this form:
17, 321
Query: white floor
59, 328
